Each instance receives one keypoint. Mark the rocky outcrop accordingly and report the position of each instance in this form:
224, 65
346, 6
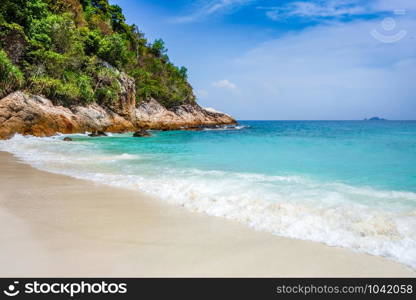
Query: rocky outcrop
96, 133
127, 99
152, 115
141, 133
35, 115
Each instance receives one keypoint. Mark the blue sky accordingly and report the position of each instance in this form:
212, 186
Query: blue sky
290, 60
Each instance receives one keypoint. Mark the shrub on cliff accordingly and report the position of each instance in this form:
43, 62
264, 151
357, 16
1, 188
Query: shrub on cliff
113, 49
65, 45
11, 78
62, 93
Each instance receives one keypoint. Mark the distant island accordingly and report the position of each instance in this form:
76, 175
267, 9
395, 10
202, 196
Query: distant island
375, 119
76, 66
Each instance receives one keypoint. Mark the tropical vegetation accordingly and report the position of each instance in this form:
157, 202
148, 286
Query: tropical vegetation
73, 52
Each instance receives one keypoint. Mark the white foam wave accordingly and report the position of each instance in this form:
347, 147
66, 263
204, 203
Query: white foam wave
227, 127
126, 156
361, 218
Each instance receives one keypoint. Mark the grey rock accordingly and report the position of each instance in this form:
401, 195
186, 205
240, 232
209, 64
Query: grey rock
141, 133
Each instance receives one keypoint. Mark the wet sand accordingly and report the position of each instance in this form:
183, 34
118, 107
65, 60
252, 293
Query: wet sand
54, 225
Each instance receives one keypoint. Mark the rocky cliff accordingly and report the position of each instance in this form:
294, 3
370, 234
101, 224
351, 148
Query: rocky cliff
76, 66
35, 115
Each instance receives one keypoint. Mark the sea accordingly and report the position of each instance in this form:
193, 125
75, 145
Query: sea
350, 184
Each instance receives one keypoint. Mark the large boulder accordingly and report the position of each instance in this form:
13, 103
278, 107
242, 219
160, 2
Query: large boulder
96, 133
141, 133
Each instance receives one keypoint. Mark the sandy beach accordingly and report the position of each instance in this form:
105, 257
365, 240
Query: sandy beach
54, 225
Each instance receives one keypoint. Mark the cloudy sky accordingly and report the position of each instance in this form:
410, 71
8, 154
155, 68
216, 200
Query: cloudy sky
291, 60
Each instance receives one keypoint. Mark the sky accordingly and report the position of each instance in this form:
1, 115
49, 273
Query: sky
290, 60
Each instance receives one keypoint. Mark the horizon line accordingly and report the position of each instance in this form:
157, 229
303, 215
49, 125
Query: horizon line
333, 120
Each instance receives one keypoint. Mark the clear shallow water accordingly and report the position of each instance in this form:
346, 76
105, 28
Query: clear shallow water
350, 184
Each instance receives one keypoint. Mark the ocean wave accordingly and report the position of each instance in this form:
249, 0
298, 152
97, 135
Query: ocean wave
227, 127
365, 219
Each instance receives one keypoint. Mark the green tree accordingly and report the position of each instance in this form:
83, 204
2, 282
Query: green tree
117, 18
113, 49
11, 78
183, 72
158, 48
57, 33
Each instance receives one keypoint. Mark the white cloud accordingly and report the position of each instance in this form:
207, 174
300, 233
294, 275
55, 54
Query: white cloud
204, 9
327, 8
336, 8
391, 5
225, 84
201, 93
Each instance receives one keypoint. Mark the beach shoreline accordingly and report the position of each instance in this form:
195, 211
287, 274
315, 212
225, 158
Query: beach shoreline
57, 226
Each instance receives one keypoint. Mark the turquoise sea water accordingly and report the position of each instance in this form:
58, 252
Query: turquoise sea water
343, 183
